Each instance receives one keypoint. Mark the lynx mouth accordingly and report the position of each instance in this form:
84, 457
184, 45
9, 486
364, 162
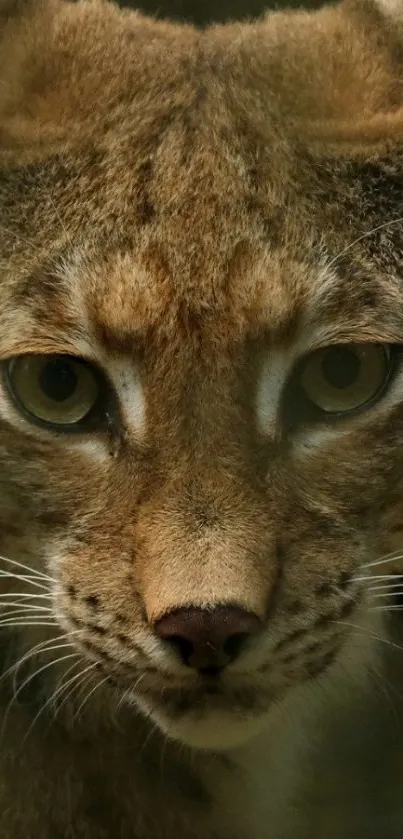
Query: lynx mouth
209, 715
207, 718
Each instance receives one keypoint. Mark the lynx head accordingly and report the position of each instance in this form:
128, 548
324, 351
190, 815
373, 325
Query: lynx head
201, 320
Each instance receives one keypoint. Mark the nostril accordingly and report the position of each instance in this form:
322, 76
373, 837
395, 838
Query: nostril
233, 645
183, 646
208, 639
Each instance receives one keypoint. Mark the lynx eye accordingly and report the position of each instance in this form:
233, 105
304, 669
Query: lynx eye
55, 389
345, 377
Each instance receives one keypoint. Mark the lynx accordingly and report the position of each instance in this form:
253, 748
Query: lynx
201, 422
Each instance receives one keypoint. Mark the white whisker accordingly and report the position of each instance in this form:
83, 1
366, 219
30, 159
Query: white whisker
372, 578
386, 594
369, 634
32, 581
392, 557
362, 237
21, 622
38, 649
24, 595
77, 683
88, 696
51, 649
60, 690
27, 682
33, 571
25, 611
386, 587
42, 669
29, 607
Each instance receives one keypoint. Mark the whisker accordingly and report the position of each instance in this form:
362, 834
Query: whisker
34, 571
38, 649
25, 579
394, 556
54, 695
41, 670
386, 608
21, 622
367, 633
378, 577
19, 238
362, 237
63, 227
21, 604
26, 682
387, 594
386, 586
88, 696
51, 649
76, 687
24, 595
25, 611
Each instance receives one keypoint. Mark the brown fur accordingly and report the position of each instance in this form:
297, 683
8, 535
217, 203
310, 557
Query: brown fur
186, 205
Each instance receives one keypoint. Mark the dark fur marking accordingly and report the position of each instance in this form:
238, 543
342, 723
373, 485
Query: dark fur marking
324, 620
93, 601
294, 636
92, 648
323, 589
294, 607
314, 668
145, 207
344, 580
124, 639
119, 618
330, 657
289, 658
313, 648
347, 608
53, 519
42, 288
99, 630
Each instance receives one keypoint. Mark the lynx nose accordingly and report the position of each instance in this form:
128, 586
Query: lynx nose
208, 639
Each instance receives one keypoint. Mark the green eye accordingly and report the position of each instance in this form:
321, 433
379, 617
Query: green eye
55, 389
345, 377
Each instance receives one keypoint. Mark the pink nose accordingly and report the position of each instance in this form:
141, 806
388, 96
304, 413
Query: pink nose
208, 639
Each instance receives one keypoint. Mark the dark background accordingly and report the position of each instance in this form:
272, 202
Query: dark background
202, 12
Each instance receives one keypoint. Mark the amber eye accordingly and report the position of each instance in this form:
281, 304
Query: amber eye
55, 389
345, 377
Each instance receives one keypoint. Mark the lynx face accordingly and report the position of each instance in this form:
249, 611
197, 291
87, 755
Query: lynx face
201, 320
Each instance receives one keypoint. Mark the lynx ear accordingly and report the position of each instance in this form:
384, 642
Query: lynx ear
352, 98
23, 26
